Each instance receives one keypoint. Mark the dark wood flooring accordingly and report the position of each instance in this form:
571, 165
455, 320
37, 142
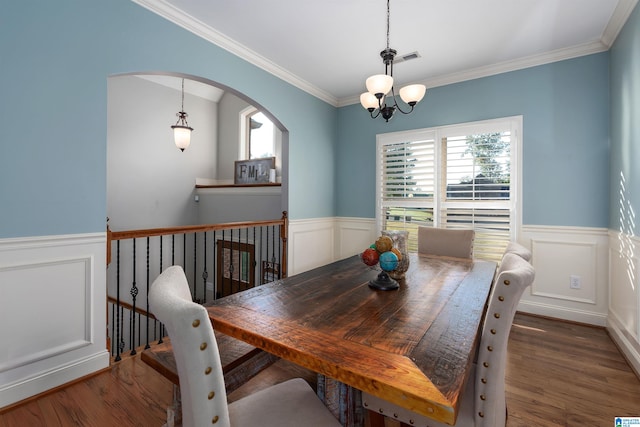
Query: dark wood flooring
558, 374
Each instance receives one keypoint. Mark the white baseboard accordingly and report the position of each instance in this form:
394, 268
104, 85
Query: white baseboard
564, 313
57, 376
627, 344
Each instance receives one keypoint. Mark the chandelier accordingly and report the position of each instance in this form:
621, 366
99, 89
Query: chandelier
182, 130
379, 86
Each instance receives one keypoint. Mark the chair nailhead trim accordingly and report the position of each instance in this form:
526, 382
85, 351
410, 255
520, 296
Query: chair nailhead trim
381, 410
485, 364
207, 371
395, 415
412, 422
483, 397
196, 323
484, 380
211, 395
501, 298
496, 315
481, 414
489, 348
215, 419
507, 282
493, 331
203, 346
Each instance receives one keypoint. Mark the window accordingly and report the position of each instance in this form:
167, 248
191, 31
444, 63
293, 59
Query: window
459, 176
260, 136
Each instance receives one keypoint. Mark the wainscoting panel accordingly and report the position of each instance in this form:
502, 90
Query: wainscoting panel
52, 312
354, 235
623, 321
558, 254
311, 244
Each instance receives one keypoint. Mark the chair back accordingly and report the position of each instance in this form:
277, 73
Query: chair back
513, 277
518, 249
204, 399
446, 242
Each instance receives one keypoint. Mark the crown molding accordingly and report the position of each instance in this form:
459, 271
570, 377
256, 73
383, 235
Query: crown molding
200, 29
618, 19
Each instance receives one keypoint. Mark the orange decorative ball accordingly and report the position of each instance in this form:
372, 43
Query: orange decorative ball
397, 252
384, 244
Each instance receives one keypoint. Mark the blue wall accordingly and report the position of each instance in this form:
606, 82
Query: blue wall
565, 108
625, 128
56, 58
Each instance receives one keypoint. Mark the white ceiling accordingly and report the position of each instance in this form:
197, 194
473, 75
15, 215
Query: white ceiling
330, 47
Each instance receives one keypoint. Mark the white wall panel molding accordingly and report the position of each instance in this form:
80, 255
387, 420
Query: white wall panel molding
623, 322
558, 254
354, 235
52, 312
311, 244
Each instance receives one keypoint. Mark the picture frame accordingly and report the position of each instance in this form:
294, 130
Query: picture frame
254, 171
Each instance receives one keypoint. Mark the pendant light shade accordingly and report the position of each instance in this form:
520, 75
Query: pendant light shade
412, 94
379, 85
182, 136
182, 130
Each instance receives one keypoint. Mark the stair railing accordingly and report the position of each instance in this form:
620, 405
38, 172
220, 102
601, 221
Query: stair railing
218, 259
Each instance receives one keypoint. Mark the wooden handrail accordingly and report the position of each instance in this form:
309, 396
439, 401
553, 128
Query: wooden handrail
129, 307
151, 232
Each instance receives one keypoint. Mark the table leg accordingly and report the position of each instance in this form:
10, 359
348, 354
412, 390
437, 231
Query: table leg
344, 402
174, 412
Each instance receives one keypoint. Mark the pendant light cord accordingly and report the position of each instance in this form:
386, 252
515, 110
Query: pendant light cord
388, 24
182, 106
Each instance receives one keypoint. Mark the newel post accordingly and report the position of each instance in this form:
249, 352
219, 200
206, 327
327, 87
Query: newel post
284, 233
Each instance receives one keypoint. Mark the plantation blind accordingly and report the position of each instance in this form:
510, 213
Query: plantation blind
459, 176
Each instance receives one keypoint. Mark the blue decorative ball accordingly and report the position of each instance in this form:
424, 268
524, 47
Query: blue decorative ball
388, 261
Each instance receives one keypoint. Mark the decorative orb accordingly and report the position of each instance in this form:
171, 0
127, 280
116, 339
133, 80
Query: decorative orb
397, 252
370, 256
372, 246
384, 244
388, 261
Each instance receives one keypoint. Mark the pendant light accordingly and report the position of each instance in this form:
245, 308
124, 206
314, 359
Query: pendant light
182, 130
379, 85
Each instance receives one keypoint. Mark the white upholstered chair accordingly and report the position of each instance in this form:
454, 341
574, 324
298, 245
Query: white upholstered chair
204, 401
518, 249
483, 401
446, 242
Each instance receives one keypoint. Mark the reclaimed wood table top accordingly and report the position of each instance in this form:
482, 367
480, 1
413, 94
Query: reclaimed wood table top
413, 346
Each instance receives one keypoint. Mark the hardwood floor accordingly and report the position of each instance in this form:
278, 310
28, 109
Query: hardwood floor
558, 374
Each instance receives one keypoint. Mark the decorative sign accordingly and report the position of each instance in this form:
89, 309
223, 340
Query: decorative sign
255, 171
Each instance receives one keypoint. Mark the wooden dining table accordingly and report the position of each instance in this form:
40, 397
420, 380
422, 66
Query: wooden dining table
413, 346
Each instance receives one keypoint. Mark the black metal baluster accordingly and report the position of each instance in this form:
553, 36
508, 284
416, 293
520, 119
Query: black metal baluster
231, 264
255, 262
118, 331
195, 266
205, 274
280, 252
215, 275
260, 256
273, 248
134, 295
148, 283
